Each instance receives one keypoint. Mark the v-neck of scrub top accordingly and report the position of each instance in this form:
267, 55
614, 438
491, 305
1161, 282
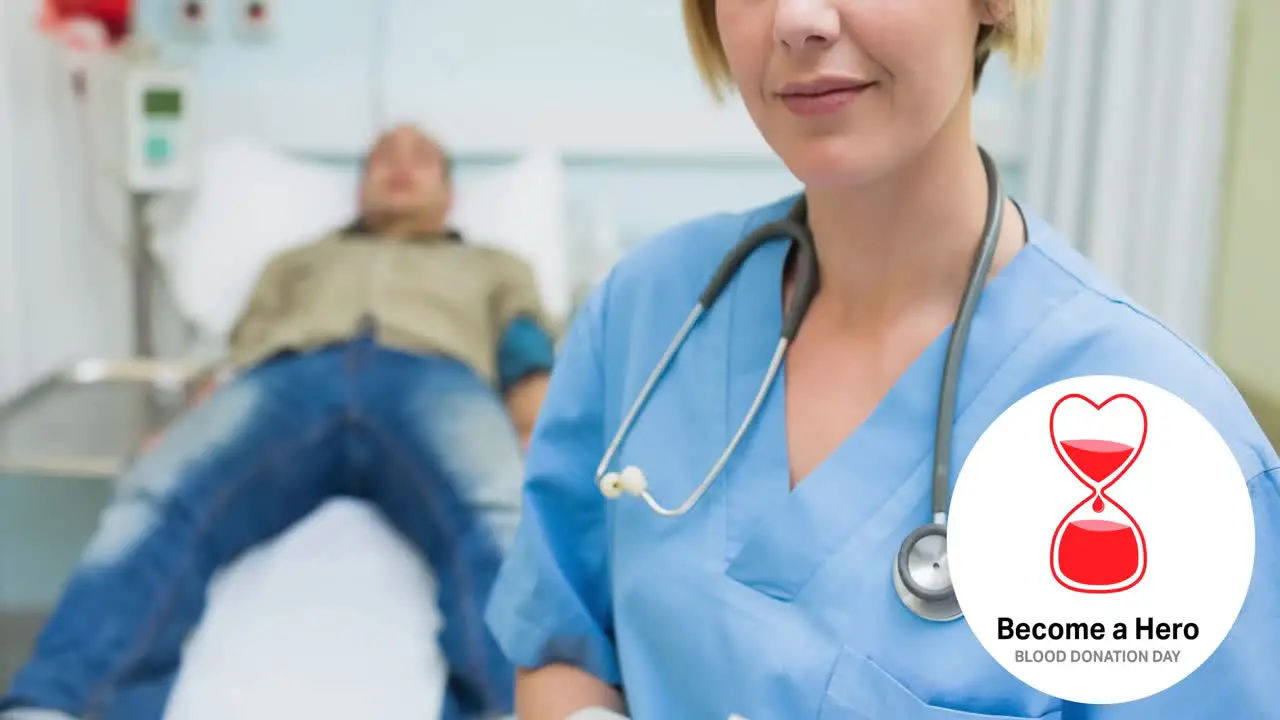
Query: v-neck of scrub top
778, 538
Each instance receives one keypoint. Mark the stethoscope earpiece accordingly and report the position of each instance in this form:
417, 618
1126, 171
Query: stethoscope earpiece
921, 574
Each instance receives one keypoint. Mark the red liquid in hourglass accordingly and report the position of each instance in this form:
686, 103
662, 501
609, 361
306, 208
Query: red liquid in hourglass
1098, 552
1097, 459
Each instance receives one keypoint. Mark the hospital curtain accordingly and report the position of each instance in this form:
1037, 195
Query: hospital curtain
1126, 141
63, 292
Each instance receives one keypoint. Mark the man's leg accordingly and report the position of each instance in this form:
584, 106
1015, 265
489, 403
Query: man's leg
240, 468
448, 477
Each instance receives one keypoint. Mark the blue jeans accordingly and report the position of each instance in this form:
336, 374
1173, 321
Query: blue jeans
423, 438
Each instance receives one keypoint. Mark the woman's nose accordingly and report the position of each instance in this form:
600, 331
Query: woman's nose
801, 23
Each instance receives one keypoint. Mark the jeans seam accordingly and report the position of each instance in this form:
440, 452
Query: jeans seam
476, 659
98, 697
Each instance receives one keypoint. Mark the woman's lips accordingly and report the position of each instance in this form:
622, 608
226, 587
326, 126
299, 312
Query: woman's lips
821, 97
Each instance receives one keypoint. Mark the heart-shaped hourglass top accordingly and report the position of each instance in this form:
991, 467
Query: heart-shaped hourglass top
1098, 459
1098, 548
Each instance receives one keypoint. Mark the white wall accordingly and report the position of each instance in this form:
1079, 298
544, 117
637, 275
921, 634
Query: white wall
614, 84
612, 87
485, 74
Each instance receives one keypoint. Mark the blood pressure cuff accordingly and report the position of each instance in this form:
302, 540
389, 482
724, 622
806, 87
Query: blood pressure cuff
524, 350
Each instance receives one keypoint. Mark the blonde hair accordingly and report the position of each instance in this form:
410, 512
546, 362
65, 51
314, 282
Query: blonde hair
1021, 37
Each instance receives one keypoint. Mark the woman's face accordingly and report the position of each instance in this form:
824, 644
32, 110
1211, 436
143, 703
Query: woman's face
847, 90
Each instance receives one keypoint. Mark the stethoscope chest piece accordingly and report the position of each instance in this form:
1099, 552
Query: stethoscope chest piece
922, 577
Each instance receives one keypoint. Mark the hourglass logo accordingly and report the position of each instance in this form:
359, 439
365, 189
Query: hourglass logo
1098, 547
1143, 513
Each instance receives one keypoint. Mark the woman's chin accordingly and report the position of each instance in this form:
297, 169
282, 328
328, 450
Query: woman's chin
832, 162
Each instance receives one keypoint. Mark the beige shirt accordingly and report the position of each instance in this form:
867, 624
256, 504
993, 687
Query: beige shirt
429, 295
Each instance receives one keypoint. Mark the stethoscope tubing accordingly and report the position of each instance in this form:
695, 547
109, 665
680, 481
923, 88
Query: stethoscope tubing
806, 288
794, 228
950, 386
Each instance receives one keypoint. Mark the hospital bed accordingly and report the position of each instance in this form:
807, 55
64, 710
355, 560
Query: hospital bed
337, 618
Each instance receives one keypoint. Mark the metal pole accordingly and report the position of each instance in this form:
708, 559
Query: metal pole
143, 280
144, 287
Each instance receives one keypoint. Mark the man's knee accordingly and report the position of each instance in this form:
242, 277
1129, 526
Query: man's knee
147, 487
124, 524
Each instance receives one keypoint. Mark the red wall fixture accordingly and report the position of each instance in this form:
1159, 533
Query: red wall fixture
112, 14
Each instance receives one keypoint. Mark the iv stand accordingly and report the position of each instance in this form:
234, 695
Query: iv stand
142, 280
142, 277
81, 448
137, 49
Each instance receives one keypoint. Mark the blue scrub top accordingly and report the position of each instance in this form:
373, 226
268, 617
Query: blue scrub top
778, 604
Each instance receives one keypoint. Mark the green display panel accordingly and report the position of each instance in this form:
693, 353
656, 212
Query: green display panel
167, 102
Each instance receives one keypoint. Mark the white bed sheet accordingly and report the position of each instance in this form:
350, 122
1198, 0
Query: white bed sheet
337, 619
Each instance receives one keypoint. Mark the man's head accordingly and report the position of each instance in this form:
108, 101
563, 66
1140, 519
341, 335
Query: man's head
407, 186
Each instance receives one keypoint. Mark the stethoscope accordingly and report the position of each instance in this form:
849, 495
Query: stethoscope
921, 575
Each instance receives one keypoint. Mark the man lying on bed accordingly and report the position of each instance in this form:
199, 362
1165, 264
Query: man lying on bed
368, 364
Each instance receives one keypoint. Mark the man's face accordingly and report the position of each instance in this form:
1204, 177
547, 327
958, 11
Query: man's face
406, 180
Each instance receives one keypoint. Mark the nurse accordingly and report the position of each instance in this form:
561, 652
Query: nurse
773, 597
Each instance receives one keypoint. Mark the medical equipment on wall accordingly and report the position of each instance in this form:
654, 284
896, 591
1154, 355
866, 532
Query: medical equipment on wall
139, 131
192, 20
189, 20
254, 20
138, 114
921, 575
158, 132
135, 115
113, 15
86, 420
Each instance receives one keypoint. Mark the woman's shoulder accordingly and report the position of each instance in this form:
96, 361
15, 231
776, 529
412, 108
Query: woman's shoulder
1097, 329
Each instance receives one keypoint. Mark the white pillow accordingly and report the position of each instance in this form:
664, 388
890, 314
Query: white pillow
524, 209
253, 202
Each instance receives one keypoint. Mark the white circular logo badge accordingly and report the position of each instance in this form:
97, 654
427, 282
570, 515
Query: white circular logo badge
1101, 540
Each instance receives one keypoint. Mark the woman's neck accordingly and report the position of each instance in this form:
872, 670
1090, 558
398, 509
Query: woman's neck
907, 243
